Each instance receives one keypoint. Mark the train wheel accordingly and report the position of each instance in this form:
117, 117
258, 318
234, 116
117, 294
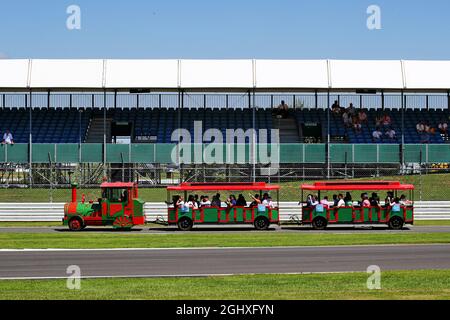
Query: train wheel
123, 223
75, 224
319, 223
396, 223
261, 223
185, 224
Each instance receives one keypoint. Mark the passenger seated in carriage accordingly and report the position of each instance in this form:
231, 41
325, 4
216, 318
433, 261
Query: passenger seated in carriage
341, 201
241, 202
325, 202
374, 200
365, 202
256, 201
231, 201
204, 201
404, 202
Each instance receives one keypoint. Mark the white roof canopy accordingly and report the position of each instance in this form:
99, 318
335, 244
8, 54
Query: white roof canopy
261, 75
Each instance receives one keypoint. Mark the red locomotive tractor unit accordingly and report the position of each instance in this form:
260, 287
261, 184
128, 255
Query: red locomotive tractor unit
119, 206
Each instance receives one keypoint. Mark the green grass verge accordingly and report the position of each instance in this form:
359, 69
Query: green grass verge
433, 186
92, 240
429, 284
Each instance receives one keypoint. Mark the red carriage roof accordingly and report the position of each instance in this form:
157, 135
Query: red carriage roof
360, 185
117, 185
223, 186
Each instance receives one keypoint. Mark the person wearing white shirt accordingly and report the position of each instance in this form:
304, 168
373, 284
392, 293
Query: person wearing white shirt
341, 202
8, 138
376, 135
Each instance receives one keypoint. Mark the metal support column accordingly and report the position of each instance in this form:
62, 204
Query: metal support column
328, 135
104, 133
30, 106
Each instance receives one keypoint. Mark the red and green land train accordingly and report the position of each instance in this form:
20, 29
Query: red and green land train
119, 206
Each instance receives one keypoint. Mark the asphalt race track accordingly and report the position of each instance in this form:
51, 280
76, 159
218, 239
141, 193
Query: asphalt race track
226, 261
231, 229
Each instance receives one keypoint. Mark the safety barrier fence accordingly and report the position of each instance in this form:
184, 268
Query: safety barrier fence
42, 212
229, 154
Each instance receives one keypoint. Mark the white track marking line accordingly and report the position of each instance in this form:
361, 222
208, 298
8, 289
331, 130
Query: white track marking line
226, 248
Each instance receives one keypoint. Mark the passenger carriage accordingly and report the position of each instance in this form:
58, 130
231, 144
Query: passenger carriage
260, 216
395, 216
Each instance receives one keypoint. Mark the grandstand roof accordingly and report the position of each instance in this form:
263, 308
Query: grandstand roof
101, 74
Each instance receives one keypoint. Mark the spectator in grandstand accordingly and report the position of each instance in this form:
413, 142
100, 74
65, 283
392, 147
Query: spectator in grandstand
356, 125
336, 108
386, 120
8, 137
348, 122
391, 134
443, 127
377, 135
241, 202
424, 137
420, 127
378, 121
351, 110
282, 110
362, 115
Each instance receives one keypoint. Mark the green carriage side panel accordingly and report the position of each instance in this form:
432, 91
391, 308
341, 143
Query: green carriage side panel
345, 215
315, 153
210, 215
275, 215
117, 153
91, 153
291, 153
409, 213
341, 153
438, 153
3, 153
67, 153
138, 207
389, 153
415, 153
143, 153
171, 212
239, 211
164, 153
17, 153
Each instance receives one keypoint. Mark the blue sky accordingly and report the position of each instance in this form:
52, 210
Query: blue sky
283, 29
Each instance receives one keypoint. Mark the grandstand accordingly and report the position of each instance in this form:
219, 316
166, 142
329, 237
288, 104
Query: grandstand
74, 111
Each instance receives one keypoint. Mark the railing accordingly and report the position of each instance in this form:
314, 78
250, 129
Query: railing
289, 211
219, 100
